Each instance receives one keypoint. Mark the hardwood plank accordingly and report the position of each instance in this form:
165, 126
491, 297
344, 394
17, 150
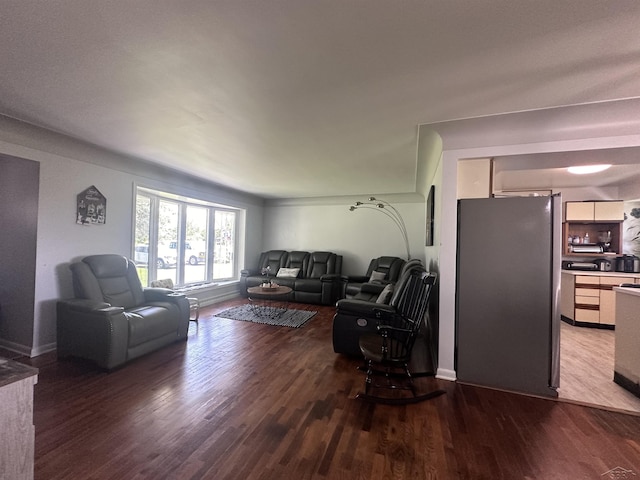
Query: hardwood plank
247, 401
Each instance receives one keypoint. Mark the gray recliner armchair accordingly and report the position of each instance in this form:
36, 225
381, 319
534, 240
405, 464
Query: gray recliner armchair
113, 319
381, 271
356, 316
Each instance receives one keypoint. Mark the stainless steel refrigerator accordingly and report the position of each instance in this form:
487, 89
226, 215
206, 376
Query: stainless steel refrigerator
508, 293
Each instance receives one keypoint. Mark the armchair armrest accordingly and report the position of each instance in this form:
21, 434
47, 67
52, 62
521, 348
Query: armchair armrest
358, 278
88, 306
362, 308
178, 299
372, 288
156, 294
93, 330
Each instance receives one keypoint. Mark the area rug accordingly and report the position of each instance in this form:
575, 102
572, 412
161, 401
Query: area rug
268, 316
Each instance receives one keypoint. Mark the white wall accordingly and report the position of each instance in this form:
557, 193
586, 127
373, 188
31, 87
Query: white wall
66, 169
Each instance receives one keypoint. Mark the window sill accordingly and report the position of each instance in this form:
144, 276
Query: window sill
201, 287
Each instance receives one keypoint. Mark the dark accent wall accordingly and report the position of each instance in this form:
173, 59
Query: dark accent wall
19, 186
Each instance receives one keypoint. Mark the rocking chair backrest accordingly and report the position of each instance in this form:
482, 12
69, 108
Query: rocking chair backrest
402, 327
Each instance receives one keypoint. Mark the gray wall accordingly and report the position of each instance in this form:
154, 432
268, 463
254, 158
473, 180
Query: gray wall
67, 167
359, 236
19, 181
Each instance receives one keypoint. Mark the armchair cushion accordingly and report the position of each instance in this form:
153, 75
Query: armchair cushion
108, 278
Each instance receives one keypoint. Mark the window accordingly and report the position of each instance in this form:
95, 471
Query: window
187, 240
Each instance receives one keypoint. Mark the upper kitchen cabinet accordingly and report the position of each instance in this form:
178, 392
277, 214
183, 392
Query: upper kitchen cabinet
611, 211
593, 228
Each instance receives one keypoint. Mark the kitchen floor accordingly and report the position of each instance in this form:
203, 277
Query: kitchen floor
586, 369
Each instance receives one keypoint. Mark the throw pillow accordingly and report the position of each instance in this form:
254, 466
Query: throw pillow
385, 294
288, 272
376, 277
165, 283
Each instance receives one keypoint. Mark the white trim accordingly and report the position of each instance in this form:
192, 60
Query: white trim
42, 349
444, 374
15, 347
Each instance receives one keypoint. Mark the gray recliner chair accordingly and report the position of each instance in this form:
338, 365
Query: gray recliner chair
381, 271
355, 316
113, 319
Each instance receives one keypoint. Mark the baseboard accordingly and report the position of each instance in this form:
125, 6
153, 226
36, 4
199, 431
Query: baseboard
15, 347
42, 349
218, 298
603, 326
26, 351
444, 374
626, 383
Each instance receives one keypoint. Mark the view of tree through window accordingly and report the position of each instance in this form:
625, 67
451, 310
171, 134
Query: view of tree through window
183, 239
225, 226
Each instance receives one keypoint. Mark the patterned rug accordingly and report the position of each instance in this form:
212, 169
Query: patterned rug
268, 315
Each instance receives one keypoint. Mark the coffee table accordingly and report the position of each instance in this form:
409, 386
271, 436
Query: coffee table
274, 300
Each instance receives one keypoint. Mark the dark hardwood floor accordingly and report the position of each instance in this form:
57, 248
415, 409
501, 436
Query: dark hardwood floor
245, 401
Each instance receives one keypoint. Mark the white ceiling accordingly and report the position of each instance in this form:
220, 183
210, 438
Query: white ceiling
297, 98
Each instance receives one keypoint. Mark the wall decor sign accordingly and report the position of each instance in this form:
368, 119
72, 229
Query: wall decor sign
92, 207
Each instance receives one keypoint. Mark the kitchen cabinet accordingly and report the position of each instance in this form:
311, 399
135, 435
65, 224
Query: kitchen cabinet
593, 229
589, 299
592, 219
16, 420
610, 211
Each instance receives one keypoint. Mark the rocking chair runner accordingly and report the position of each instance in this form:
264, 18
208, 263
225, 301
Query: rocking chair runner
387, 352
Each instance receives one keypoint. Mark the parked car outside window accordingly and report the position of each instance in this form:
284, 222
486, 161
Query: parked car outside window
191, 255
166, 258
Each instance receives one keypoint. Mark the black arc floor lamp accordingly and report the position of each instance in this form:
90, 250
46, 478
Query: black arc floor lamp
390, 211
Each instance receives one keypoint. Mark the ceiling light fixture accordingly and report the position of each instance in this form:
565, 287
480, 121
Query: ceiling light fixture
584, 169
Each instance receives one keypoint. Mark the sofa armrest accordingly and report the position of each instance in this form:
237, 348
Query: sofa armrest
333, 287
249, 272
332, 277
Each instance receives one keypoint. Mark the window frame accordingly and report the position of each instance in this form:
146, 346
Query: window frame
155, 196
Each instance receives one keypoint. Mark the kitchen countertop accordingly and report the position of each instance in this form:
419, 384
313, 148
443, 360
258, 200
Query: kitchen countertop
598, 273
630, 291
11, 371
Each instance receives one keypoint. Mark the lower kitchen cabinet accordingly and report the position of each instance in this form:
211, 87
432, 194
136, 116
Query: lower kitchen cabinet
589, 299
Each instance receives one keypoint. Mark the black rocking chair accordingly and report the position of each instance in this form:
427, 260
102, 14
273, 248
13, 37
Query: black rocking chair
387, 352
